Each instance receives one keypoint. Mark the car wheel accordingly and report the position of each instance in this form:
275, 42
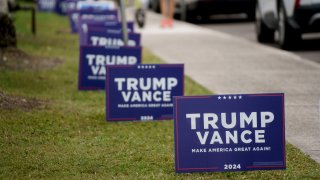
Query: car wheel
263, 33
189, 16
288, 37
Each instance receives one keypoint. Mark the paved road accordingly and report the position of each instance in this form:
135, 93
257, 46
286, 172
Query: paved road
239, 26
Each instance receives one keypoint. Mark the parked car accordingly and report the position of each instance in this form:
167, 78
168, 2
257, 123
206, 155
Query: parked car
205, 8
289, 18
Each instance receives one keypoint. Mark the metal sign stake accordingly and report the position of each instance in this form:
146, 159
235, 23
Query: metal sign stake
124, 22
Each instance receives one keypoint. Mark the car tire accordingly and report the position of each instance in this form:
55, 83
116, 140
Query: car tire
288, 36
191, 17
263, 32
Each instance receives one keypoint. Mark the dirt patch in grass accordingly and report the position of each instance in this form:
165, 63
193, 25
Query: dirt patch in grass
63, 31
15, 59
18, 102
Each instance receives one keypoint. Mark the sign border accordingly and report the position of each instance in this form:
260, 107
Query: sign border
130, 66
106, 47
211, 169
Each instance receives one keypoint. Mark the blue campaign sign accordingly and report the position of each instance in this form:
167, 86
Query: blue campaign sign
96, 5
46, 5
112, 27
88, 25
73, 16
229, 133
61, 7
93, 61
84, 28
142, 92
90, 16
72, 5
102, 38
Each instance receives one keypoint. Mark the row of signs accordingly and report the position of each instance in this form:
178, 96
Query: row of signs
211, 133
133, 91
63, 7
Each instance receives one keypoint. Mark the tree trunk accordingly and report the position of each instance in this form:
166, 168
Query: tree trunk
8, 36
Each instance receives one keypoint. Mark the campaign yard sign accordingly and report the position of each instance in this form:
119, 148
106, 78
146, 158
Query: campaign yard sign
71, 5
112, 27
92, 16
102, 38
90, 25
93, 61
142, 92
61, 7
229, 133
96, 5
46, 5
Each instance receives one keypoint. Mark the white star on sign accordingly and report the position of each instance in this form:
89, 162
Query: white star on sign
234, 97
219, 97
230, 97
240, 97
224, 97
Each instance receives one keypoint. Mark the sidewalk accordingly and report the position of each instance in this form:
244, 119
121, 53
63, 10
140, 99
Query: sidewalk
226, 64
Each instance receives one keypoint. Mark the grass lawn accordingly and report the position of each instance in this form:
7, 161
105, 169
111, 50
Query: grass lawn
69, 138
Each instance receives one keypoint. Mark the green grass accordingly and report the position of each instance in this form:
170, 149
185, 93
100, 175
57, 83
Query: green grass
70, 138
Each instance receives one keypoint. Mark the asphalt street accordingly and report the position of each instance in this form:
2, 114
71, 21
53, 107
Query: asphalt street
238, 25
